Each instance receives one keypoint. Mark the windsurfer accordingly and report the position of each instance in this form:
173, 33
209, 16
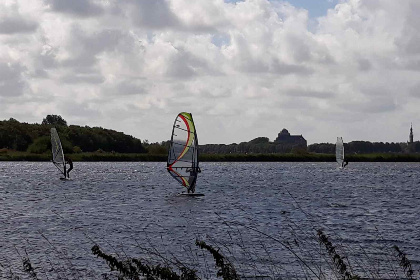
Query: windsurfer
193, 174
345, 163
70, 163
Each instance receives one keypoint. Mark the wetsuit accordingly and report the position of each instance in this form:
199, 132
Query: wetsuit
70, 163
193, 174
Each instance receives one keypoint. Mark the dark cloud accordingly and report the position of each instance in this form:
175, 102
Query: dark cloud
372, 104
83, 79
409, 40
127, 87
86, 47
364, 65
415, 90
251, 65
152, 14
186, 65
301, 51
413, 64
82, 62
80, 8
11, 82
44, 61
17, 25
310, 93
84, 110
284, 69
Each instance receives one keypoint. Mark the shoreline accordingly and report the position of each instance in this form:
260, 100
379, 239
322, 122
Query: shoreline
144, 157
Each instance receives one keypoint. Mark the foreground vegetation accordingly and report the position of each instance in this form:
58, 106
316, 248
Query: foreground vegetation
247, 252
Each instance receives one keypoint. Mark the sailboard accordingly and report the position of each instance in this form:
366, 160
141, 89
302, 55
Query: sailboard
57, 153
183, 162
339, 151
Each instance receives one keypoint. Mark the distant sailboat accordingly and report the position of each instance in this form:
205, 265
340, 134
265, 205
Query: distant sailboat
183, 153
57, 153
339, 152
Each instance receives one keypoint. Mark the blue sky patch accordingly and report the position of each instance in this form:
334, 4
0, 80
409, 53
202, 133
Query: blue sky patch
316, 8
220, 39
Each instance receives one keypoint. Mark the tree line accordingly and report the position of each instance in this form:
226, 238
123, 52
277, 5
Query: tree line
262, 145
366, 147
35, 138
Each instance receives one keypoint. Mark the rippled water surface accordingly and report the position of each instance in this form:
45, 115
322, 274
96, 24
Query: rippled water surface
264, 216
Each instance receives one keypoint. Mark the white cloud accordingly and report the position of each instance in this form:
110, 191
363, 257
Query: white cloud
244, 69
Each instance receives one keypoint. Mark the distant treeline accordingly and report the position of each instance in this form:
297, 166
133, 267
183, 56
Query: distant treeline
35, 138
262, 145
365, 147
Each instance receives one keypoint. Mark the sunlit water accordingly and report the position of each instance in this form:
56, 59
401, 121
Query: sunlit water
264, 216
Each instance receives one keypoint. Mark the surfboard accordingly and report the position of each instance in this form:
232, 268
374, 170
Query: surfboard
65, 179
190, 194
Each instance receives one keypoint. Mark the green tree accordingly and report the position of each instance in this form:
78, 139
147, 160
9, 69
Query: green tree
54, 120
77, 150
260, 140
40, 145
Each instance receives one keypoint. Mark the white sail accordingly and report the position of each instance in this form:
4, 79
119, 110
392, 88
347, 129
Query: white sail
183, 152
339, 151
57, 152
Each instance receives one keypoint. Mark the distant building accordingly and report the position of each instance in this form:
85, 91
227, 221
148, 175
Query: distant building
284, 137
411, 139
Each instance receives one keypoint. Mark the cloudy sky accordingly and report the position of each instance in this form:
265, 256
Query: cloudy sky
244, 69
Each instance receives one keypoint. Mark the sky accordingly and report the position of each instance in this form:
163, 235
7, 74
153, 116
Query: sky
244, 69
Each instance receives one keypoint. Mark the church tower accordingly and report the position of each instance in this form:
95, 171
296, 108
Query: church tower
411, 134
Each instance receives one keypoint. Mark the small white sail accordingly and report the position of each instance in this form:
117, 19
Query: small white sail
339, 151
57, 152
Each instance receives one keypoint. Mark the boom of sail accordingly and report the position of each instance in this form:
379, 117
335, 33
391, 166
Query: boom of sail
183, 152
57, 152
339, 151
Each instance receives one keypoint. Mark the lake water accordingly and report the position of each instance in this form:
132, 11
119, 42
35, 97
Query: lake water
263, 216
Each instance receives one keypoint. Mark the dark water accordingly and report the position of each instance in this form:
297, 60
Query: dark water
264, 216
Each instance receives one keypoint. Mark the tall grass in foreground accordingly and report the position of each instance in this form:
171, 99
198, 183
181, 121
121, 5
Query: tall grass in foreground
293, 254
229, 262
246, 251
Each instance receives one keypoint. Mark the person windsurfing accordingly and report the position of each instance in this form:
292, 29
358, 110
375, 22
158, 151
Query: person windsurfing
193, 175
70, 163
345, 163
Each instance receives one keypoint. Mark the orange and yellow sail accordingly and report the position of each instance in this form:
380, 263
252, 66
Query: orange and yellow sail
183, 151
